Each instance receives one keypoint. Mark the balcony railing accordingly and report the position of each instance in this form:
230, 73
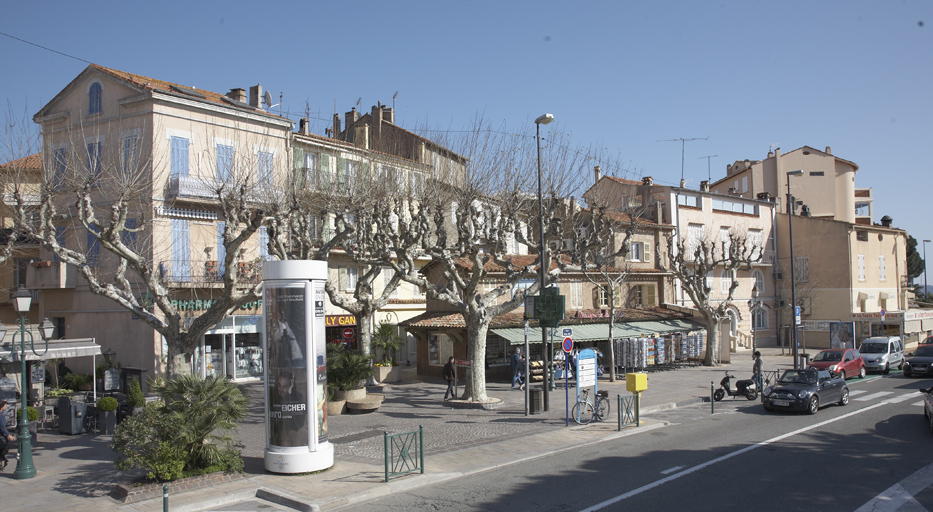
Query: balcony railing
207, 272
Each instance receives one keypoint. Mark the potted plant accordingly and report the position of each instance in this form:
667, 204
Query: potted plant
347, 371
107, 414
32, 417
387, 341
52, 396
135, 398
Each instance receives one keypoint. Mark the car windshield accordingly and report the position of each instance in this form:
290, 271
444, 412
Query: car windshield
924, 351
874, 348
799, 377
828, 356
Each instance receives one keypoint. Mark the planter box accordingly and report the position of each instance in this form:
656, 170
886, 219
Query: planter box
335, 407
107, 421
353, 394
387, 374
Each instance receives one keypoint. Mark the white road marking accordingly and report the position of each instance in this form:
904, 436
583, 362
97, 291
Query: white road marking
902, 398
874, 396
669, 471
901, 493
920, 403
675, 476
853, 392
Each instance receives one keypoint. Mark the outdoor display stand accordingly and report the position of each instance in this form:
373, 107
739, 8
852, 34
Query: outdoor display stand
296, 373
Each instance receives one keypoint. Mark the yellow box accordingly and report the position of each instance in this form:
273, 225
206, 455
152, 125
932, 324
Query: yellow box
635, 382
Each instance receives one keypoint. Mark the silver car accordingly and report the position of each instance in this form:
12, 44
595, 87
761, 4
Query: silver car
881, 353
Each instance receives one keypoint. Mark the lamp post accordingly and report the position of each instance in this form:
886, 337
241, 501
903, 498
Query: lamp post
754, 306
22, 300
925, 291
545, 262
791, 210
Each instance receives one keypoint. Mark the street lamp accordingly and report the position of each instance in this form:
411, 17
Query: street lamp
22, 300
110, 355
791, 209
543, 119
925, 291
754, 306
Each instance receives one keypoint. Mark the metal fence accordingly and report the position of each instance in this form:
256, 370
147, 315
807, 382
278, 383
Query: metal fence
404, 453
629, 410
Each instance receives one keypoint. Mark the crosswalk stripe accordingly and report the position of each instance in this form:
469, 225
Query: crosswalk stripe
902, 398
919, 404
874, 396
853, 392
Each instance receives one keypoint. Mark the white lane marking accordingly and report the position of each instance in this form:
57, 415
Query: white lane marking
920, 403
902, 398
874, 396
853, 392
901, 493
675, 476
669, 471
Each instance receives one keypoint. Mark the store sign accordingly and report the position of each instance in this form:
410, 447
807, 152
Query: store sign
339, 320
815, 325
203, 305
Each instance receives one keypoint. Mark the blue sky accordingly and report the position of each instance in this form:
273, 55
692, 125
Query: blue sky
853, 75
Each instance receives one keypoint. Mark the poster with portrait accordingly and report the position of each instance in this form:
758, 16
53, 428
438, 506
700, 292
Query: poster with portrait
842, 334
286, 349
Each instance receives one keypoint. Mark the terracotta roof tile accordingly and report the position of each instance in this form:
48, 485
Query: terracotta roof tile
515, 318
27, 162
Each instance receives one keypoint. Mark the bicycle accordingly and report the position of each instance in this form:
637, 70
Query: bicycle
585, 411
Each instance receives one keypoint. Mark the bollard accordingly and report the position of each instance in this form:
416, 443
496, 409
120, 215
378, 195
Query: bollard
712, 400
619, 410
638, 409
164, 498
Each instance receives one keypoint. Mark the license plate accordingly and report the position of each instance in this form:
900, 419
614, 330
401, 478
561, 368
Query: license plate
781, 403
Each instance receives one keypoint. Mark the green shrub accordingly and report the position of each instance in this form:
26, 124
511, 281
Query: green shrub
76, 380
187, 433
32, 414
135, 396
108, 403
57, 392
387, 340
346, 369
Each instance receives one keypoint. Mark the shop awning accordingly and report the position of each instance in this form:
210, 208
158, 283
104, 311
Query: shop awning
600, 332
58, 349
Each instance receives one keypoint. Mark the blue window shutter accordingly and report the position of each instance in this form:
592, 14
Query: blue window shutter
129, 237
265, 164
59, 163
181, 250
94, 99
224, 162
179, 156
93, 248
221, 250
59, 239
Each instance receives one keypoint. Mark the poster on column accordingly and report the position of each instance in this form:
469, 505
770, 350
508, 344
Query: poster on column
320, 357
287, 346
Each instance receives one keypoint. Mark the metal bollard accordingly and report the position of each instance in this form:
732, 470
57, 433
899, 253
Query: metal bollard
712, 400
619, 410
638, 409
164, 498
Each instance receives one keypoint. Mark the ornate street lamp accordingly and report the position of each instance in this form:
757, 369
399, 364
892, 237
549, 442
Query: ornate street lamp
543, 119
791, 210
110, 355
926, 291
754, 306
22, 300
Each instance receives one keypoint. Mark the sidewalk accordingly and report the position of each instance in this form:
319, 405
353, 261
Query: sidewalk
76, 472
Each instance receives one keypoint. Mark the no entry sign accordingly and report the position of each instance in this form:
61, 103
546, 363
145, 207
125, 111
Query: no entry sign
348, 333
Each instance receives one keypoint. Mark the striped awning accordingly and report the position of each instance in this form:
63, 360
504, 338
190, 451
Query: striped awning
600, 332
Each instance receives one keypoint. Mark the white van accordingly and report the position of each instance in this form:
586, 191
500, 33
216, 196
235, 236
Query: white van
881, 353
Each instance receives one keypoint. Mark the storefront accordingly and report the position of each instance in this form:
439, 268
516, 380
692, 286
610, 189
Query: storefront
232, 348
912, 325
341, 329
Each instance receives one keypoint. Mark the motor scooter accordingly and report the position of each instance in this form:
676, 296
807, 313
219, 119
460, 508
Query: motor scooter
747, 388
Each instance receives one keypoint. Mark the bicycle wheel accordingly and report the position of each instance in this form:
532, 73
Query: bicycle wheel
602, 408
583, 412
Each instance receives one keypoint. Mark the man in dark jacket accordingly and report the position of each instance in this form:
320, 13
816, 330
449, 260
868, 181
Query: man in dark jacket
450, 375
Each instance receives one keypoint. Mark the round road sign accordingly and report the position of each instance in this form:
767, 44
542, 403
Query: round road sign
348, 333
567, 345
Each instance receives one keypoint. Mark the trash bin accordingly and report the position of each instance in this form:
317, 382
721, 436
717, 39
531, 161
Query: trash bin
71, 415
537, 400
804, 360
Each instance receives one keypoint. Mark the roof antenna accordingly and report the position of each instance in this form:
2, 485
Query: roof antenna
683, 142
709, 174
393, 100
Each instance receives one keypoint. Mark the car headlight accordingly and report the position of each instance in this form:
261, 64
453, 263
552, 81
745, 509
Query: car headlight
906, 364
802, 393
769, 390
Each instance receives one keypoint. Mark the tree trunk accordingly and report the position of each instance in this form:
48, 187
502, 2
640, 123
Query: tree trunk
712, 341
474, 379
364, 332
612, 349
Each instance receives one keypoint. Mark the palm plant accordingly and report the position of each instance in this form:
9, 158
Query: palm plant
387, 340
346, 369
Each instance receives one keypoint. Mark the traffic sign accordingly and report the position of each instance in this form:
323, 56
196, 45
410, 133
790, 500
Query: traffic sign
348, 333
567, 345
568, 331
797, 315
882, 314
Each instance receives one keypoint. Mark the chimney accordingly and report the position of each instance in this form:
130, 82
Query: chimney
303, 125
770, 154
647, 181
351, 117
377, 126
336, 132
829, 150
886, 221
764, 196
704, 186
255, 96
598, 172
237, 95
388, 114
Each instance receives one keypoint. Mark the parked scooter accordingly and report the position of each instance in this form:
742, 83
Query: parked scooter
746, 388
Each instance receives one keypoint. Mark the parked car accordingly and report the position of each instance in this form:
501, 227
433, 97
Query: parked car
805, 390
928, 405
927, 341
847, 362
920, 362
882, 352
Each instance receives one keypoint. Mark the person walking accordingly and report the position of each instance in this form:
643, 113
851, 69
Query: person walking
7, 437
450, 375
515, 366
756, 370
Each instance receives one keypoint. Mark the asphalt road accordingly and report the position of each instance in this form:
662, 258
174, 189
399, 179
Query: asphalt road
874, 454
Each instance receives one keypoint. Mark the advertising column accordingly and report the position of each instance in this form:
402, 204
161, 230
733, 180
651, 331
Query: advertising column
296, 373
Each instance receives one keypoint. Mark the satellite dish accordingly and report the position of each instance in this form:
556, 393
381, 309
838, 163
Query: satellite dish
267, 99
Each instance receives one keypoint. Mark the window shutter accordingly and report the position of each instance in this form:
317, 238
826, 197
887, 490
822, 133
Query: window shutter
617, 298
181, 250
221, 250
649, 297
264, 244
646, 252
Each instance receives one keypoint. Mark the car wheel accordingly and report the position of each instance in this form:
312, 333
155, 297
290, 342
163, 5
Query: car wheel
862, 373
842, 374
813, 405
767, 407
845, 397
887, 369
907, 374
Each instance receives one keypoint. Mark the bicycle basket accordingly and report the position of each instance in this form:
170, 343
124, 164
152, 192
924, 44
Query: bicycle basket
603, 394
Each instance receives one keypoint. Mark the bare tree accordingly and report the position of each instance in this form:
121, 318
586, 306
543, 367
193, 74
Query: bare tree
693, 260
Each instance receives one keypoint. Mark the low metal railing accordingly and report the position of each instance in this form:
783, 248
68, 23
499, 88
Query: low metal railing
404, 453
629, 410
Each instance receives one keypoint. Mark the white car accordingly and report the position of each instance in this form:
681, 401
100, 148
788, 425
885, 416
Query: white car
881, 353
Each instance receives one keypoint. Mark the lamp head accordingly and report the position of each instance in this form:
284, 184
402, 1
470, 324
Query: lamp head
544, 119
926, 241
22, 300
798, 172
755, 291
46, 328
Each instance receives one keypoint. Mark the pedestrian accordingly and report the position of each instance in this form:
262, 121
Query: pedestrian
756, 370
7, 437
450, 375
521, 373
515, 366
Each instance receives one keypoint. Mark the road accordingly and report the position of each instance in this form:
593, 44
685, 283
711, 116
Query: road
873, 454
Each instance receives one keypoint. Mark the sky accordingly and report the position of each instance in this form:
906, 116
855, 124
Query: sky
741, 77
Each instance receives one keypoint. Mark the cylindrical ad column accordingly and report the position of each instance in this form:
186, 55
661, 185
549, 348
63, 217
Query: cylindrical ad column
295, 369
